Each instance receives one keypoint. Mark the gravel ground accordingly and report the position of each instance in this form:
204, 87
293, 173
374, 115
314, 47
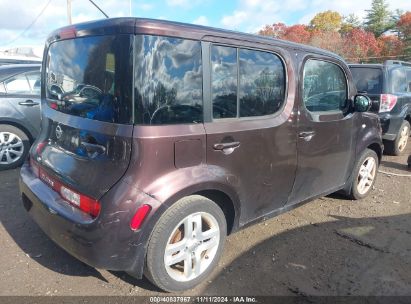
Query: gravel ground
330, 246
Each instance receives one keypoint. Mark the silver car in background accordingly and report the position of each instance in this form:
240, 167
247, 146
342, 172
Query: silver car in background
19, 112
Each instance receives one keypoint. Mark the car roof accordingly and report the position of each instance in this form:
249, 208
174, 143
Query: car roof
7, 71
172, 29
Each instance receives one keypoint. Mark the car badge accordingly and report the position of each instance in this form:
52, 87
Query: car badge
59, 132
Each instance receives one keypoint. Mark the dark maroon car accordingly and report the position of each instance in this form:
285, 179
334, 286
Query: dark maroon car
191, 134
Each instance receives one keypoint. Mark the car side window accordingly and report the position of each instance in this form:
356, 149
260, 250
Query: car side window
409, 80
224, 81
262, 83
246, 83
34, 82
18, 85
324, 86
399, 80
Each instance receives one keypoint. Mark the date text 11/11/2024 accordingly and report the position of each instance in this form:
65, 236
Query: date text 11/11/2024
203, 299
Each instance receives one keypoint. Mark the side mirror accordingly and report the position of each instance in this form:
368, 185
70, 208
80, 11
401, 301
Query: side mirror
362, 103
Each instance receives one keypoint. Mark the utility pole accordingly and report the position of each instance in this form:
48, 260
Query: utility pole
69, 11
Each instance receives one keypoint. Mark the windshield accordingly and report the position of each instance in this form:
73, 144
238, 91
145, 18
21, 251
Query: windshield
368, 80
91, 77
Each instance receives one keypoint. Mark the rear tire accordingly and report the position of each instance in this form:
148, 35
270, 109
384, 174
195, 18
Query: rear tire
14, 147
397, 146
198, 226
364, 175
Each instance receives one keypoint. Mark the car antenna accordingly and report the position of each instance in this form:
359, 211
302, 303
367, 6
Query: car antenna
99, 8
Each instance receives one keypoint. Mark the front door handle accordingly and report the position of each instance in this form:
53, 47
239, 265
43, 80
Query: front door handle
226, 148
28, 103
307, 135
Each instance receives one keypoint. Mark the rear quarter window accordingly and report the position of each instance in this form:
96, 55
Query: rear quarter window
399, 81
245, 82
167, 81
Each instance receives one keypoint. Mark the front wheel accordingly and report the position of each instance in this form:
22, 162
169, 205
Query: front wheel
186, 244
364, 175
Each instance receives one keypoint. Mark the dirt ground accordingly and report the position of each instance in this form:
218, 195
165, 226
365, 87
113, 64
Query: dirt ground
330, 246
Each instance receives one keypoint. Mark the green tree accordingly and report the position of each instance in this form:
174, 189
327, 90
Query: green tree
326, 21
379, 18
349, 23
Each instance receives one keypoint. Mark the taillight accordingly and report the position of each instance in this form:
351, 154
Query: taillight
83, 202
67, 33
40, 147
387, 102
139, 217
53, 105
89, 205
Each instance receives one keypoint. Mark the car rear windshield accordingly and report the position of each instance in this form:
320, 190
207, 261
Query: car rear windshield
367, 80
91, 77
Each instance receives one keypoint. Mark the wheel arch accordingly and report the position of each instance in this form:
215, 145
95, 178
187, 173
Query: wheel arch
225, 203
224, 198
227, 200
377, 149
19, 126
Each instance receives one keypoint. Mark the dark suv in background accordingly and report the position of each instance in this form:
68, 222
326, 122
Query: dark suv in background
19, 112
187, 134
389, 86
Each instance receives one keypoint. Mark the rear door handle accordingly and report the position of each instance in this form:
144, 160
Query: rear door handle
226, 148
28, 103
222, 146
307, 135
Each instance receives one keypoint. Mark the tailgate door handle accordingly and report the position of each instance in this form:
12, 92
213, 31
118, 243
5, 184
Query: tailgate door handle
93, 149
307, 135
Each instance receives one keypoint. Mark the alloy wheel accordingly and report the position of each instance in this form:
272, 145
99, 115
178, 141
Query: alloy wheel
405, 133
366, 175
11, 148
192, 246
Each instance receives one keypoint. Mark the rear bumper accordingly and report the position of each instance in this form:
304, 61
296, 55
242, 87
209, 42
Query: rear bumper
390, 125
106, 242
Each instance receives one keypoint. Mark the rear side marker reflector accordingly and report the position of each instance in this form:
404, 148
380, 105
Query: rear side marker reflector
139, 217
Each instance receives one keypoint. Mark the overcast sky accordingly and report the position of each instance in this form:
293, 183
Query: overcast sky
243, 15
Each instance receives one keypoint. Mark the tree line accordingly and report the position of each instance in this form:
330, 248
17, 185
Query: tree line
382, 35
